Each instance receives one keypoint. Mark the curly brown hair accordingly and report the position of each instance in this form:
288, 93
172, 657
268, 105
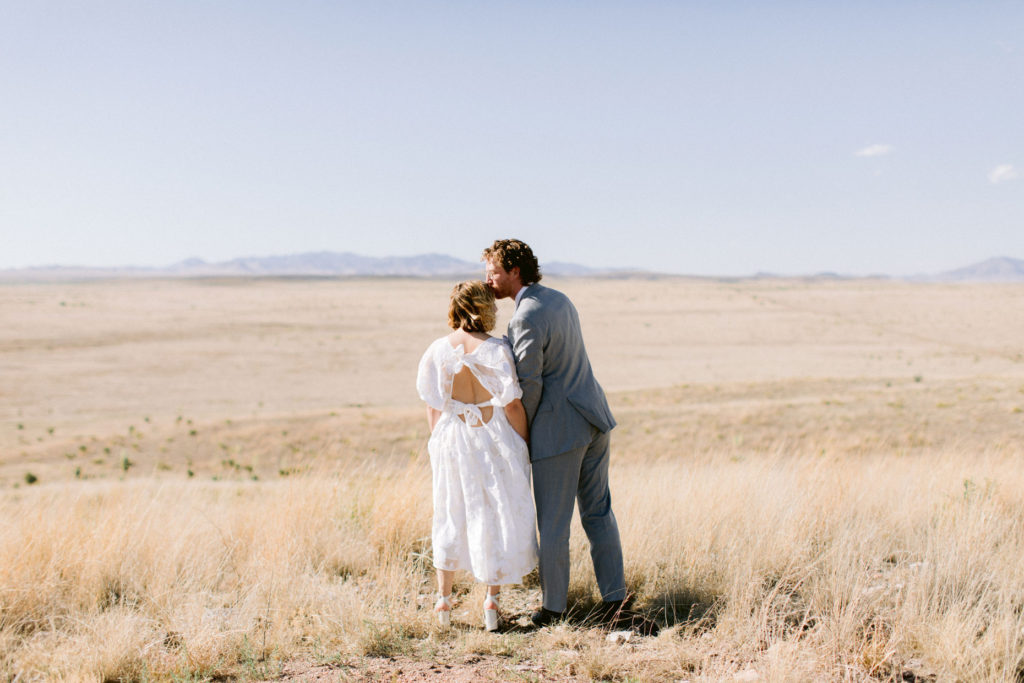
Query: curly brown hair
515, 254
472, 307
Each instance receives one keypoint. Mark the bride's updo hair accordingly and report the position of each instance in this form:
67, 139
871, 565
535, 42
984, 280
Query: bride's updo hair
472, 307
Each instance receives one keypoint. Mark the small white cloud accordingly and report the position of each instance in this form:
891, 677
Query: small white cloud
874, 151
1002, 173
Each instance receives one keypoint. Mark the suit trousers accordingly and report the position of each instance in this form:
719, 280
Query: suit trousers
581, 476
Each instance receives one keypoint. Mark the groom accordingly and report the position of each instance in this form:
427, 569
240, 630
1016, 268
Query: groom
569, 423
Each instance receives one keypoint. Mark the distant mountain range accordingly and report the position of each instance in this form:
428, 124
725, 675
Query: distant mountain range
313, 264
333, 264
1000, 269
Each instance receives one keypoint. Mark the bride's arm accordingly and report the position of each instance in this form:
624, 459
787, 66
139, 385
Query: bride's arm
516, 414
433, 415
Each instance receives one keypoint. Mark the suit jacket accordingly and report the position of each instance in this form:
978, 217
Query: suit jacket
563, 401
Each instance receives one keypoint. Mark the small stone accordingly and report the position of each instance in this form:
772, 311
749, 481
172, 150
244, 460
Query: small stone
619, 637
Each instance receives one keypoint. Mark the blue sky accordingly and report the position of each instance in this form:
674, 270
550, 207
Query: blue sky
690, 137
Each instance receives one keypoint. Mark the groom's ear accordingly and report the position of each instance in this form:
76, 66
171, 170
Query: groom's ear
515, 273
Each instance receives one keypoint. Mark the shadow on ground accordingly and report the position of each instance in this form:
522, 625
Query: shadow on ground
683, 606
680, 606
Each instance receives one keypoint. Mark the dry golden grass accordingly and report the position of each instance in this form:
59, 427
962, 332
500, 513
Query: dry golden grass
814, 481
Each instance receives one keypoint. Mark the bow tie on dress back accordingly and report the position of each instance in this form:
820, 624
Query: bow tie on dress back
456, 361
470, 412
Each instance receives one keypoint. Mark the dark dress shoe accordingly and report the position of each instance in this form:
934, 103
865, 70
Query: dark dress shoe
607, 611
545, 617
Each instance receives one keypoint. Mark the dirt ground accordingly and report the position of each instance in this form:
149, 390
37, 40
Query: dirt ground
85, 356
467, 669
170, 374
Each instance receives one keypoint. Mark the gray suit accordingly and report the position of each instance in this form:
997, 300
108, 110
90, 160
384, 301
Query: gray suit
569, 423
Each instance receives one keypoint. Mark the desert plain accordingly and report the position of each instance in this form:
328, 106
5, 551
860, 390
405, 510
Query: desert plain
227, 479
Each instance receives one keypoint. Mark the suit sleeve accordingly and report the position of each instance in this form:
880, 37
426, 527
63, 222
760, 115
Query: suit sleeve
528, 348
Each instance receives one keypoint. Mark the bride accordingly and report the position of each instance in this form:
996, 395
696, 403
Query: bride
484, 519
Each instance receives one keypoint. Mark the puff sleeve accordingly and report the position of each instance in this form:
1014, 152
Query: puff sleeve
429, 380
507, 388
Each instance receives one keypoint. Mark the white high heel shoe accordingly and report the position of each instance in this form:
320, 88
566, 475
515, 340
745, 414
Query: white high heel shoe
491, 613
443, 607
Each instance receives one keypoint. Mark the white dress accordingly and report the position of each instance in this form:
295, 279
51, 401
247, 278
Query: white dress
484, 519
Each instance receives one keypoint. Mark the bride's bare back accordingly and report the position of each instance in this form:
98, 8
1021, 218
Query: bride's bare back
466, 388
